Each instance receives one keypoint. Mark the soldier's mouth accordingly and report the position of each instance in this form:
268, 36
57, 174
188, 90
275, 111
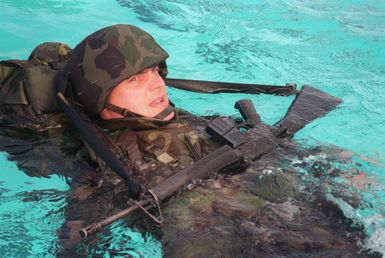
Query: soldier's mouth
160, 101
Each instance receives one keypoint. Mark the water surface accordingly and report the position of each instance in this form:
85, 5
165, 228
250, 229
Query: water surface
333, 45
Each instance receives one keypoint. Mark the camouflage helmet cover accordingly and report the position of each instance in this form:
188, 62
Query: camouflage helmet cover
55, 54
107, 57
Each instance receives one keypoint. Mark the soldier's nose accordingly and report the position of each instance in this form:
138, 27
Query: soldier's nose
157, 81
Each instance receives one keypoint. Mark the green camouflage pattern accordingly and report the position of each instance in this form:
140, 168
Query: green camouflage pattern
108, 56
54, 54
163, 147
27, 92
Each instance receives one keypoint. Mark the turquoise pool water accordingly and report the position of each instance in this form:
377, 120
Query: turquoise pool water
333, 45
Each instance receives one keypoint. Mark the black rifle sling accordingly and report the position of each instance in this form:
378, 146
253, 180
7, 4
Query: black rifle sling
100, 148
230, 87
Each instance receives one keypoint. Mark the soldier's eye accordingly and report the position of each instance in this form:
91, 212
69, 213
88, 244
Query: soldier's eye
133, 78
155, 68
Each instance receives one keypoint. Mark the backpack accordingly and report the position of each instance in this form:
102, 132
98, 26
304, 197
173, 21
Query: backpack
27, 90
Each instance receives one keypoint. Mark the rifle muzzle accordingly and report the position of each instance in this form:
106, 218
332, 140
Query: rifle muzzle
90, 230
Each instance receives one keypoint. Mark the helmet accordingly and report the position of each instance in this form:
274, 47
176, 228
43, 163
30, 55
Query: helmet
107, 57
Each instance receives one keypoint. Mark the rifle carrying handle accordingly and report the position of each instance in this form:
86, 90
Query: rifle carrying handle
248, 112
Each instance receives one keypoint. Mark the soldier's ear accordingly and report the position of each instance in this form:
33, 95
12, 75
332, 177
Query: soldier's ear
105, 114
163, 71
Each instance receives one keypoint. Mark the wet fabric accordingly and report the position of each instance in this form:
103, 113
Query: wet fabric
259, 212
243, 213
27, 91
153, 149
263, 210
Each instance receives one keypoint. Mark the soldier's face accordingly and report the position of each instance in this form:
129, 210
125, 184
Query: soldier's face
144, 94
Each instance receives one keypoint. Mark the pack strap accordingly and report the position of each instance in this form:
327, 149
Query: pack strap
192, 142
231, 87
7, 82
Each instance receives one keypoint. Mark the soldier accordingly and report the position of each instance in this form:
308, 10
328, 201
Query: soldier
116, 78
117, 74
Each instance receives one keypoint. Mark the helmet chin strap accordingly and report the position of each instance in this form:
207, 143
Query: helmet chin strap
127, 113
166, 112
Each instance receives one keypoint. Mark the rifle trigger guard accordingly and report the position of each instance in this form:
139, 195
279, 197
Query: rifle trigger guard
157, 220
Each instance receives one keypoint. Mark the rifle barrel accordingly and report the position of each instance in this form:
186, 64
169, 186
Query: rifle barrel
96, 227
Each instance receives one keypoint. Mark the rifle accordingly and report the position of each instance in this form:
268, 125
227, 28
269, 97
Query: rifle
242, 143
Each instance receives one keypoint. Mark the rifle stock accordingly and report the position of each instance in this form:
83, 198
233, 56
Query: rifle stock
308, 105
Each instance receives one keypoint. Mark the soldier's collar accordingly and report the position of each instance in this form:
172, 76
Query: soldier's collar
137, 123
127, 113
